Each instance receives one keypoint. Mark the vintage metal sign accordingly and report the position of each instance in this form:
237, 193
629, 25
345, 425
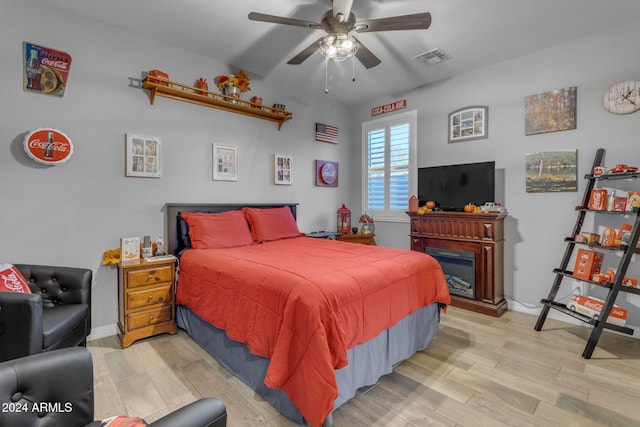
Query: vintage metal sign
388, 108
45, 70
48, 146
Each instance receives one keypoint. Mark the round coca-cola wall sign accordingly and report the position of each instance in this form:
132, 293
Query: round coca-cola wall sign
48, 146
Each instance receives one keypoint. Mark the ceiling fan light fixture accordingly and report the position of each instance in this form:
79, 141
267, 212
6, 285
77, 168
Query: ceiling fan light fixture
338, 46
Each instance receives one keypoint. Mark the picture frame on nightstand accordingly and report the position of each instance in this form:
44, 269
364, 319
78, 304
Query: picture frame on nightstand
129, 250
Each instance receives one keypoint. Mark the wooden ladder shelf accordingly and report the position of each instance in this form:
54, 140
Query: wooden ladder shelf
181, 92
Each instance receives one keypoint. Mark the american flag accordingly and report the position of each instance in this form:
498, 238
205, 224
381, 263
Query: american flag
326, 133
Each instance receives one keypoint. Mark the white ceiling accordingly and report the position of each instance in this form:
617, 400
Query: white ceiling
475, 33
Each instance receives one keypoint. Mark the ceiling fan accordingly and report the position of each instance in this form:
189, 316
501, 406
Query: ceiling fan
338, 22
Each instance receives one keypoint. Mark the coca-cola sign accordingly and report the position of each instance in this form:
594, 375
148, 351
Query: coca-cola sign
48, 146
11, 280
46, 70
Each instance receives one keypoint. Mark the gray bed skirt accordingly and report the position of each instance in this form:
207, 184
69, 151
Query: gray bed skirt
367, 362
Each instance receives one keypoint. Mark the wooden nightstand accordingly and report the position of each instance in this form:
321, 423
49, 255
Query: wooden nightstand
146, 304
365, 239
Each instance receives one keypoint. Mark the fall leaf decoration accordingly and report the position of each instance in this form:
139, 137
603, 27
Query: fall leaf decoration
111, 257
239, 79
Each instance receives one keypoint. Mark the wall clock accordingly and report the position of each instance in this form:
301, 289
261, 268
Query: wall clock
623, 97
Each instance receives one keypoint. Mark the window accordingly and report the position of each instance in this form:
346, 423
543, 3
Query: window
389, 147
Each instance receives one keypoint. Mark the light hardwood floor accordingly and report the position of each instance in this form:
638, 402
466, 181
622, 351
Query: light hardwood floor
478, 371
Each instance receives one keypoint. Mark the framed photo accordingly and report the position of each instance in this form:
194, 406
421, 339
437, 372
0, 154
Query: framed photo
552, 111
143, 156
225, 162
469, 123
552, 171
282, 169
129, 250
326, 173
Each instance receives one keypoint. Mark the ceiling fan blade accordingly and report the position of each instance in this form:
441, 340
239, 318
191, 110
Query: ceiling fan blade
417, 21
255, 16
306, 53
342, 9
365, 56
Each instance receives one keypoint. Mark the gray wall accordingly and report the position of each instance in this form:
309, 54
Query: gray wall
537, 222
70, 213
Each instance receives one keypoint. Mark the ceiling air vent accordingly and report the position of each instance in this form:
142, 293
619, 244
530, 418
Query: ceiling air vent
432, 57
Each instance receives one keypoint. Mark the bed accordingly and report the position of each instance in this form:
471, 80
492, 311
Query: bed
303, 321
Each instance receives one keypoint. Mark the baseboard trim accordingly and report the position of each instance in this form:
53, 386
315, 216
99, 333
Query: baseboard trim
103, 331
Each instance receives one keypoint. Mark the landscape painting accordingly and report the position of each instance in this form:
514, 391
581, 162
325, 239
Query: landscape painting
552, 171
550, 111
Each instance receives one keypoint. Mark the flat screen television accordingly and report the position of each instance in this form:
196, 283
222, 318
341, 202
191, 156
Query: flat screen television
454, 186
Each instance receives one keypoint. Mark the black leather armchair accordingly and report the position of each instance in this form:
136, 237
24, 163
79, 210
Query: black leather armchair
55, 389
57, 314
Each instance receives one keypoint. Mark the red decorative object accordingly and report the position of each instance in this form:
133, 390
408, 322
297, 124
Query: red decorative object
160, 77
201, 83
48, 146
256, 102
344, 220
388, 108
413, 204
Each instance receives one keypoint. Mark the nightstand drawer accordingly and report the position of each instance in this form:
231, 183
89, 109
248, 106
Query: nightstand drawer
364, 239
150, 317
148, 297
149, 276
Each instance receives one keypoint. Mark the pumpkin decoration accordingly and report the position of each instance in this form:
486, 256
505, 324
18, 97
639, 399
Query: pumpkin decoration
471, 208
430, 204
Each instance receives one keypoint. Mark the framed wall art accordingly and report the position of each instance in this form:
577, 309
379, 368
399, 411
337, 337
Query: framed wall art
552, 171
225, 162
282, 169
469, 123
326, 173
552, 111
143, 156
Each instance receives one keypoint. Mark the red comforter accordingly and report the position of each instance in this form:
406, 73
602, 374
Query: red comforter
303, 302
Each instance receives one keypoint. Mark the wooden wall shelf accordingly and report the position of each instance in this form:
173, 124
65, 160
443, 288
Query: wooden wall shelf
181, 92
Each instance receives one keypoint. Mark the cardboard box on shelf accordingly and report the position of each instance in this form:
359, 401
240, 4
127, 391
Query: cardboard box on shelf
592, 307
587, 264
598, 200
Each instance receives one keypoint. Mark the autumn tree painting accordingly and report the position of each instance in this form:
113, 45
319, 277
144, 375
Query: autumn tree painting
550, 111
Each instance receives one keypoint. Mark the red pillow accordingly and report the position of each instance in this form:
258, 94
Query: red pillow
123, 421
217, 230
12, 280
271, 223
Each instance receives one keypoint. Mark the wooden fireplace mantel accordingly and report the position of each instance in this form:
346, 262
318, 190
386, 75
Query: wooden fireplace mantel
482, 234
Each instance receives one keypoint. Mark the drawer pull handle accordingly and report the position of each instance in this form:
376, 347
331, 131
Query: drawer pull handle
150, 318
160, 299
149, 277
150, 298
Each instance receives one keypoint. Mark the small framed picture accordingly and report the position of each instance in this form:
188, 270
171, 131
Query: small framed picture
469, 123
282, 169
143, 156
129, 250
225, 162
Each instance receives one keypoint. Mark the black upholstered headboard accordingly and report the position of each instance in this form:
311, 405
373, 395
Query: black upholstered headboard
172, 210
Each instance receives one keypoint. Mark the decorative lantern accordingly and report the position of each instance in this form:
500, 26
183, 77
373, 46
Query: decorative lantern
344, 220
